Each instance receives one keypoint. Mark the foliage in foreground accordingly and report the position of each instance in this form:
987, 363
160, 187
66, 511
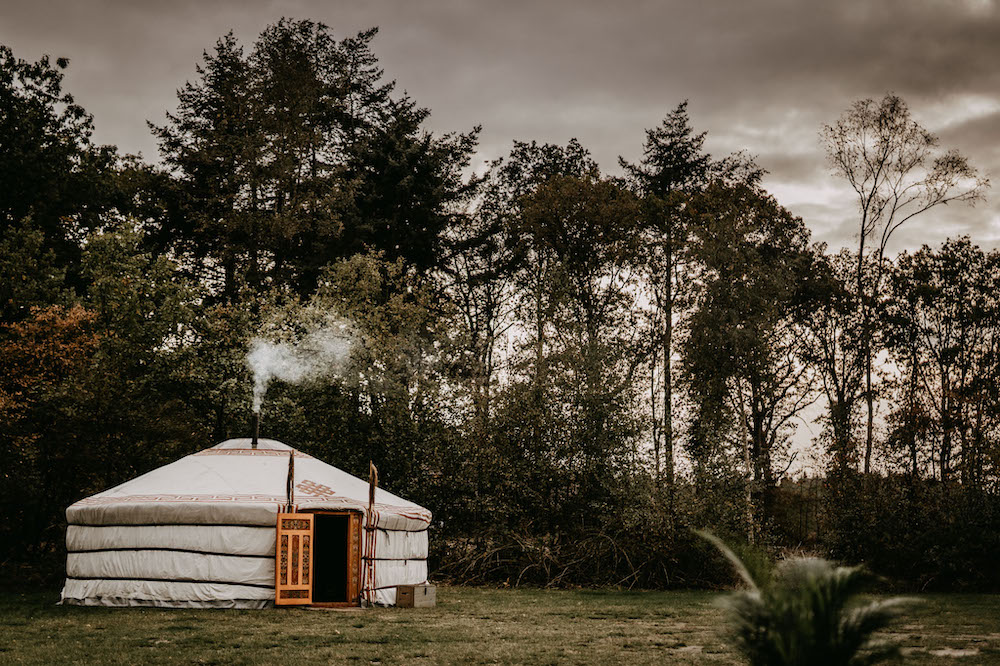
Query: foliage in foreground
805, 611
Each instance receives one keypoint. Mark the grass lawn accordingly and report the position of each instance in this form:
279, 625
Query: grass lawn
475, 626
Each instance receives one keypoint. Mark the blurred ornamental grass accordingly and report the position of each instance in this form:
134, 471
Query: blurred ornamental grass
805, 611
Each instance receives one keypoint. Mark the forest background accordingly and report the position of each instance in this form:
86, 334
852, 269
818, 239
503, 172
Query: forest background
571, 370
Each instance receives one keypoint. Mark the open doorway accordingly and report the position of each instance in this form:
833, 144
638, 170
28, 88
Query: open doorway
331, 571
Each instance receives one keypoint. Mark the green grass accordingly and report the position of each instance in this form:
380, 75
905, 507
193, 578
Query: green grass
469, 626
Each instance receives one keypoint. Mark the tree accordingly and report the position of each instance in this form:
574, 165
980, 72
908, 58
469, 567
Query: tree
674, 166
136, 397
54, 342
392, 403
214, 150
745, 345
488, 280
566, 423
494, 273
38, 356
407, 188
834, 349
29, 273
586, 225
528, 168
51, 172
298, 155
891, 164
944, 321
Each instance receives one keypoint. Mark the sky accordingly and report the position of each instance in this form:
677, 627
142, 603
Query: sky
761, 76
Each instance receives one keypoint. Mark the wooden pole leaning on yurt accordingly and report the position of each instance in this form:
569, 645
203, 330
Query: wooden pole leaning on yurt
371, 526
290, 482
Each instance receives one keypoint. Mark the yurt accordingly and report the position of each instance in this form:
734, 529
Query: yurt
244, 524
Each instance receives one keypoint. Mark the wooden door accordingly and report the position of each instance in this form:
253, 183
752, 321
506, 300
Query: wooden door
354, 558
293, 566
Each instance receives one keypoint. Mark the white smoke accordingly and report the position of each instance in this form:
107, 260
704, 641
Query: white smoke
322, 353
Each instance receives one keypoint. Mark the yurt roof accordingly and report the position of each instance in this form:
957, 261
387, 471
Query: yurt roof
233, 483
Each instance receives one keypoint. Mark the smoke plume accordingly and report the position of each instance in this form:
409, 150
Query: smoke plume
322, 353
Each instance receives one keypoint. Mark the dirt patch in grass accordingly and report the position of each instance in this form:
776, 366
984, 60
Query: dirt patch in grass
954, 652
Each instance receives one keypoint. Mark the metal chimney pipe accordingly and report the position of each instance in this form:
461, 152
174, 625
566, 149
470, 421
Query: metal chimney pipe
256, 430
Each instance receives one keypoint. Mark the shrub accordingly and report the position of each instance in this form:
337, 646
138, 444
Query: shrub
805, 611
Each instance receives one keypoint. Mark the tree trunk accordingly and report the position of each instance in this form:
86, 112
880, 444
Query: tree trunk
749, 492
840, 422
912, 409
668, 420
656, 429
866, 349
539, 332
870, 402
946, 434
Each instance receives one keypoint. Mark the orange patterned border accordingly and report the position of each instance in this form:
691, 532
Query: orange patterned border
250, 452
164, 497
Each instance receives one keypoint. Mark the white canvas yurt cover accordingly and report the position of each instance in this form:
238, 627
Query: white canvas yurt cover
204, 531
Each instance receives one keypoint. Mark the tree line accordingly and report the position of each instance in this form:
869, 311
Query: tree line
571, 369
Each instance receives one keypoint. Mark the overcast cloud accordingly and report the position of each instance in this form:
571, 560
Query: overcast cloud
760, 76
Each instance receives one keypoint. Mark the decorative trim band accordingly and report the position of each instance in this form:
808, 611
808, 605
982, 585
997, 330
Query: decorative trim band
267, 453
185, 498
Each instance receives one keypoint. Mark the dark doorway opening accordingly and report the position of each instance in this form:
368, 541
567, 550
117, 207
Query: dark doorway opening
330, 558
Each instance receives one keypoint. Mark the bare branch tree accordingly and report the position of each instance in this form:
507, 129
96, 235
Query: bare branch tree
892, 164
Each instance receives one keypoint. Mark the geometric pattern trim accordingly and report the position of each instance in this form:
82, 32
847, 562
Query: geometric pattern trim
310, 490
167, 497
250, 452
294, 524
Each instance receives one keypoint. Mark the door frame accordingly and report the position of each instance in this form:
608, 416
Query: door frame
353, 573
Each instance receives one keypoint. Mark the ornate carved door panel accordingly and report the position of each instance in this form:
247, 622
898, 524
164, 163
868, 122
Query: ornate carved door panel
293, 566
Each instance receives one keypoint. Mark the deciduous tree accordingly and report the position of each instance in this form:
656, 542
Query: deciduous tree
745, 344
896, 173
